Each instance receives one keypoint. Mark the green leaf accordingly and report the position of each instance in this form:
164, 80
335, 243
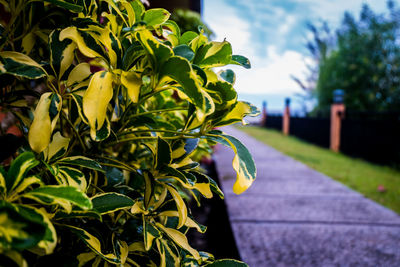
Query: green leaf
227, 263
187, 37
62, 195
158, 53
213, 54
242, 163
60, 214
139, 10
21, 65
184, 51
180, 70
19, 168
228, 75
67, 5
21, 227
163, 156
81, 161
241, 60
173, 27
111, 202
156, 16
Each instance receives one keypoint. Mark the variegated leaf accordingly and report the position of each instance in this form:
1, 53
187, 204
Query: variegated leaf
180, 239
242, 163
96, 100
93, 243
21, 65
61, 195
19, 169
111, 202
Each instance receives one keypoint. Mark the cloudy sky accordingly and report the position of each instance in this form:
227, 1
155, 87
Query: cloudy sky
272, 34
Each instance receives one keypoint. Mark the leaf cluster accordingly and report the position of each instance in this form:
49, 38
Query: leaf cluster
116, 107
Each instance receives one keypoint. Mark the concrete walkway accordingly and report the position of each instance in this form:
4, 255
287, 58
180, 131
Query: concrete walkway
295, 216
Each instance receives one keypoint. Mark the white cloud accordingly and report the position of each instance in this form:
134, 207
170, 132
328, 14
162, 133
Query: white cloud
273, 76
287, 25
265, 32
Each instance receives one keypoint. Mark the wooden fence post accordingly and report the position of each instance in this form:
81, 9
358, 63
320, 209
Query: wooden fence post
337, 113
286, 117
264, 114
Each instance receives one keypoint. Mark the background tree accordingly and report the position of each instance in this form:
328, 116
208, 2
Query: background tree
363, 60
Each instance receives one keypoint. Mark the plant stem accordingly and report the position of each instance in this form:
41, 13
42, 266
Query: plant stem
75, 131
149, 112
159, 131
129, 168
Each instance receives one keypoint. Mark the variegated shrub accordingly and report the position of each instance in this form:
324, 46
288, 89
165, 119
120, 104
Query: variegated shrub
117, 107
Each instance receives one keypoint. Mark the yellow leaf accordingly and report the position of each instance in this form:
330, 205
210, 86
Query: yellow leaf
58, 143
129, 10
112, 4
132, 82
27, 182
106, 38
3, 183
137, 246
124, 251
73, 34
180, 239
67, 58
180, 204
189, 222
40, 131
28, 42
79, 73
83, 258
96, 99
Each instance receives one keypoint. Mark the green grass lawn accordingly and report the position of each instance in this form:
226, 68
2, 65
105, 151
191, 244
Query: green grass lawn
357, 174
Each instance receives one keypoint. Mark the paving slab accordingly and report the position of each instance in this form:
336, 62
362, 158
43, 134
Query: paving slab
280, 244
295, 216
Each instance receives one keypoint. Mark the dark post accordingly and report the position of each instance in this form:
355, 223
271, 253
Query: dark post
264, 114
337, 113
286, 117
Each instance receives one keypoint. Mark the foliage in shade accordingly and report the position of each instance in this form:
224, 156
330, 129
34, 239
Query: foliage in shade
122, 107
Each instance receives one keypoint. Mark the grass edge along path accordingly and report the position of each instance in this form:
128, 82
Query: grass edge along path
360, 175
